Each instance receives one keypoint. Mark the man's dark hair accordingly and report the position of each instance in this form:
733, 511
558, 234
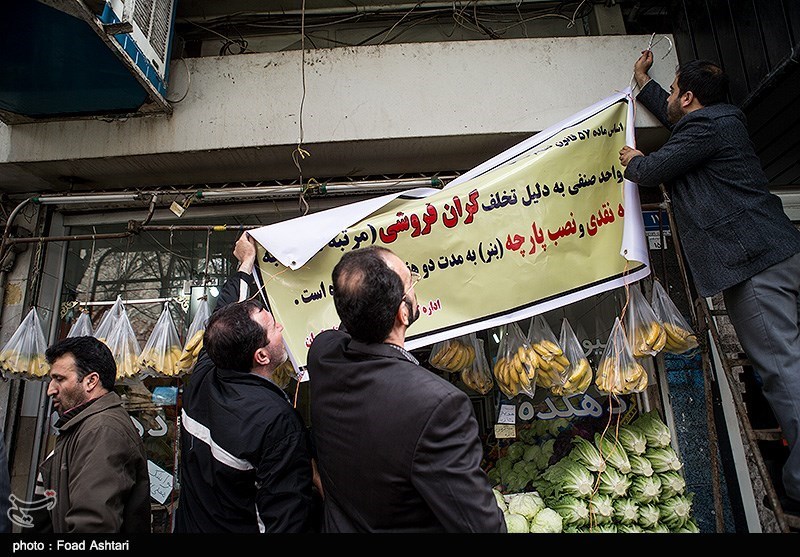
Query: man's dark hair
232, 337
366, 293
91, 355
705, 79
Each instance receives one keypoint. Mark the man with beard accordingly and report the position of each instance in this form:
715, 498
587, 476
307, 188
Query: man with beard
96, 476
398, 446
735, 234
245, 452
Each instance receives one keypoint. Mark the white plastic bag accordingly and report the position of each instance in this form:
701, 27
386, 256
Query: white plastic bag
124, 346
680, 337
194, 339
23, 354
109, 321
82, 327
163, 348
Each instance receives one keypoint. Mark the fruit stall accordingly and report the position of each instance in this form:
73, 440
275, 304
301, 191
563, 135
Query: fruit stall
569, 408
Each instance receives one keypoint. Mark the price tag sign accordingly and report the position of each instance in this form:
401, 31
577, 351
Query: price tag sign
508, 414
505, 431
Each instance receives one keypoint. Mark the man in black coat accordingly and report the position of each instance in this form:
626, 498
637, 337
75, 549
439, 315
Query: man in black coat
398, 446
245, 452
735, 234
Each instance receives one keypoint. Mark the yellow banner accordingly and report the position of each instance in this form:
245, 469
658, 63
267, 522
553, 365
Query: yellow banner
522, 234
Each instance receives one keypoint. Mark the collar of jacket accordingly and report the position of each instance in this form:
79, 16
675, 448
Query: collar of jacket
380, 349
248, 378
710, 111
108, 400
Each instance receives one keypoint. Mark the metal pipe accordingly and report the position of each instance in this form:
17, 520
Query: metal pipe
322, 188
268, 192
356, 10
7, 229
85, 198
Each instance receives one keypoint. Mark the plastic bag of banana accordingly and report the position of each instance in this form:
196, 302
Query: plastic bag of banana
23, 354
124, 346
643, 327
516, 367
618, 372
109, 320
194, 344
478, 375
453, 355
82, 326
551, 363
679, 335
568, 372
162, 350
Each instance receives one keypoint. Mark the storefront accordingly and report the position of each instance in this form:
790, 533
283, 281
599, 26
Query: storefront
174, 266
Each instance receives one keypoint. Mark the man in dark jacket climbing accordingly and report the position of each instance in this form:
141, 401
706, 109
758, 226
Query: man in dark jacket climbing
735, 234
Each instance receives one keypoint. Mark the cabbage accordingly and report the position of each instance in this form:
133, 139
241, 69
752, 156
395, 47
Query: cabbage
632, 440
545, 453
645, 489
672, 483
546, 521
573, 511
516, 523
526, 504
587, 454
613, 483
504, 465
640, 466
676, 511
501, 502
516, 481
689, 528
654, 430
663, 459
648, 515
612, 452
607, 528
570, 477
626, 511
531, 452
601, 508
515, 451
557, 425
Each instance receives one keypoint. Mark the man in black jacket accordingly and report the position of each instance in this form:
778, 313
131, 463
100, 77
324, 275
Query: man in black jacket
245, 452
398, 446
735, 234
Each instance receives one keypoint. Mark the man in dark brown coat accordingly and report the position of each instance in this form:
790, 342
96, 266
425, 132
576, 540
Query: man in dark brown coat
97, 472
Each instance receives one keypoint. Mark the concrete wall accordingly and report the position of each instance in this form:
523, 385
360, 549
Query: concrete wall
242, 112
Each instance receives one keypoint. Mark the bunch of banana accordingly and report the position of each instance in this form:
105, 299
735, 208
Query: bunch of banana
453, 356
283, 374
648, 340
517, 374
162, 361
127, 364
190, 353
630, 379
552, 363
577, 379
679, 340
477, 380
34, 365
